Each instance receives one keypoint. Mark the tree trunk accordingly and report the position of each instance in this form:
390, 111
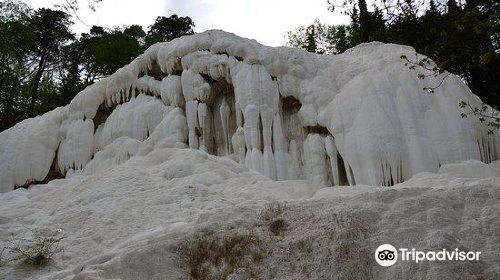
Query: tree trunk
36, 83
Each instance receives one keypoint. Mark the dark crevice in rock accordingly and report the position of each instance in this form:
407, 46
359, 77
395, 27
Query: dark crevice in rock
342, 172
352, 176
156, 72
291, 103
102, 114
208, 78
318, 129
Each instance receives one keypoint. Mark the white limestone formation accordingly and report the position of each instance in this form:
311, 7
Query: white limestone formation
356, 118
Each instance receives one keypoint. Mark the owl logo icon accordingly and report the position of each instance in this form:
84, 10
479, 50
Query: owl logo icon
386, 255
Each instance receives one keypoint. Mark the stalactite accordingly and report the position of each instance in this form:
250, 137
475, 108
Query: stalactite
266, 116
171, 91
239, 115
251, 126
257, 160
275, 110
238, 141
192, 121
269, 164
204, 122
331, 151
78, 145
225, 113
348, 170
280, 149
248, 159
295, 170
315, 156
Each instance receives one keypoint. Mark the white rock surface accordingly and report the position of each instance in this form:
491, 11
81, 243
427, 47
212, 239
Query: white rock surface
252, 114
384, 127
124, 221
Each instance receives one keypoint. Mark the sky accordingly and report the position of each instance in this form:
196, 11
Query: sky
267, 21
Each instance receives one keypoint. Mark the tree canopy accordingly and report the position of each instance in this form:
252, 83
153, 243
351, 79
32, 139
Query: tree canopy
461, 37
43, 65
169, 28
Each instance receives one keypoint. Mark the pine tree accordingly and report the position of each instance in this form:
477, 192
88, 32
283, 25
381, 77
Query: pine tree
452, 7
364, 21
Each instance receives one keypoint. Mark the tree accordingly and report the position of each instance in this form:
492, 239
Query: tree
169, 28
72, 57
88, 46
311, 45
51, 29
340, 38
16, 41
102, 52
463, 39
364, 21
312, 38
452, 7
43, 66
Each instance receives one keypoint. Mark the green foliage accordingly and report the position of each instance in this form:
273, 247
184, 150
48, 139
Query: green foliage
484, 114
312, 38
51, 30
169, 28
16, 42
43, 65
463, 38
339, 37
109, 50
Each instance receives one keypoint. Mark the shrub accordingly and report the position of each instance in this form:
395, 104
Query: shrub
272, 211
278, 226
216, 255
1, 257
38, 250
272, 216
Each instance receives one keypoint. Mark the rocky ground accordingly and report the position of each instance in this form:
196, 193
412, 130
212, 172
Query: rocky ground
180, 213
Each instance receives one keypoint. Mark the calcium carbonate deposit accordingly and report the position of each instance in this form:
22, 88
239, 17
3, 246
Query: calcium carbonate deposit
286, 154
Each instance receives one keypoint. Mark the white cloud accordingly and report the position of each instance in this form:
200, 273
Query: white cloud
263, 20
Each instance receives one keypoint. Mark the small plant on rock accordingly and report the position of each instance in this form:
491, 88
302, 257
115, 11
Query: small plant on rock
212, 254
37, 250
271, 215
278, 226
1, 257
272, 211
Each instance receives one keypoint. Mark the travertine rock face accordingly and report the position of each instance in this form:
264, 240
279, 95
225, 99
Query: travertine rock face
356, 118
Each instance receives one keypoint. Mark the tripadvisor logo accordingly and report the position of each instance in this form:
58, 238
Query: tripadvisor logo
387, 255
